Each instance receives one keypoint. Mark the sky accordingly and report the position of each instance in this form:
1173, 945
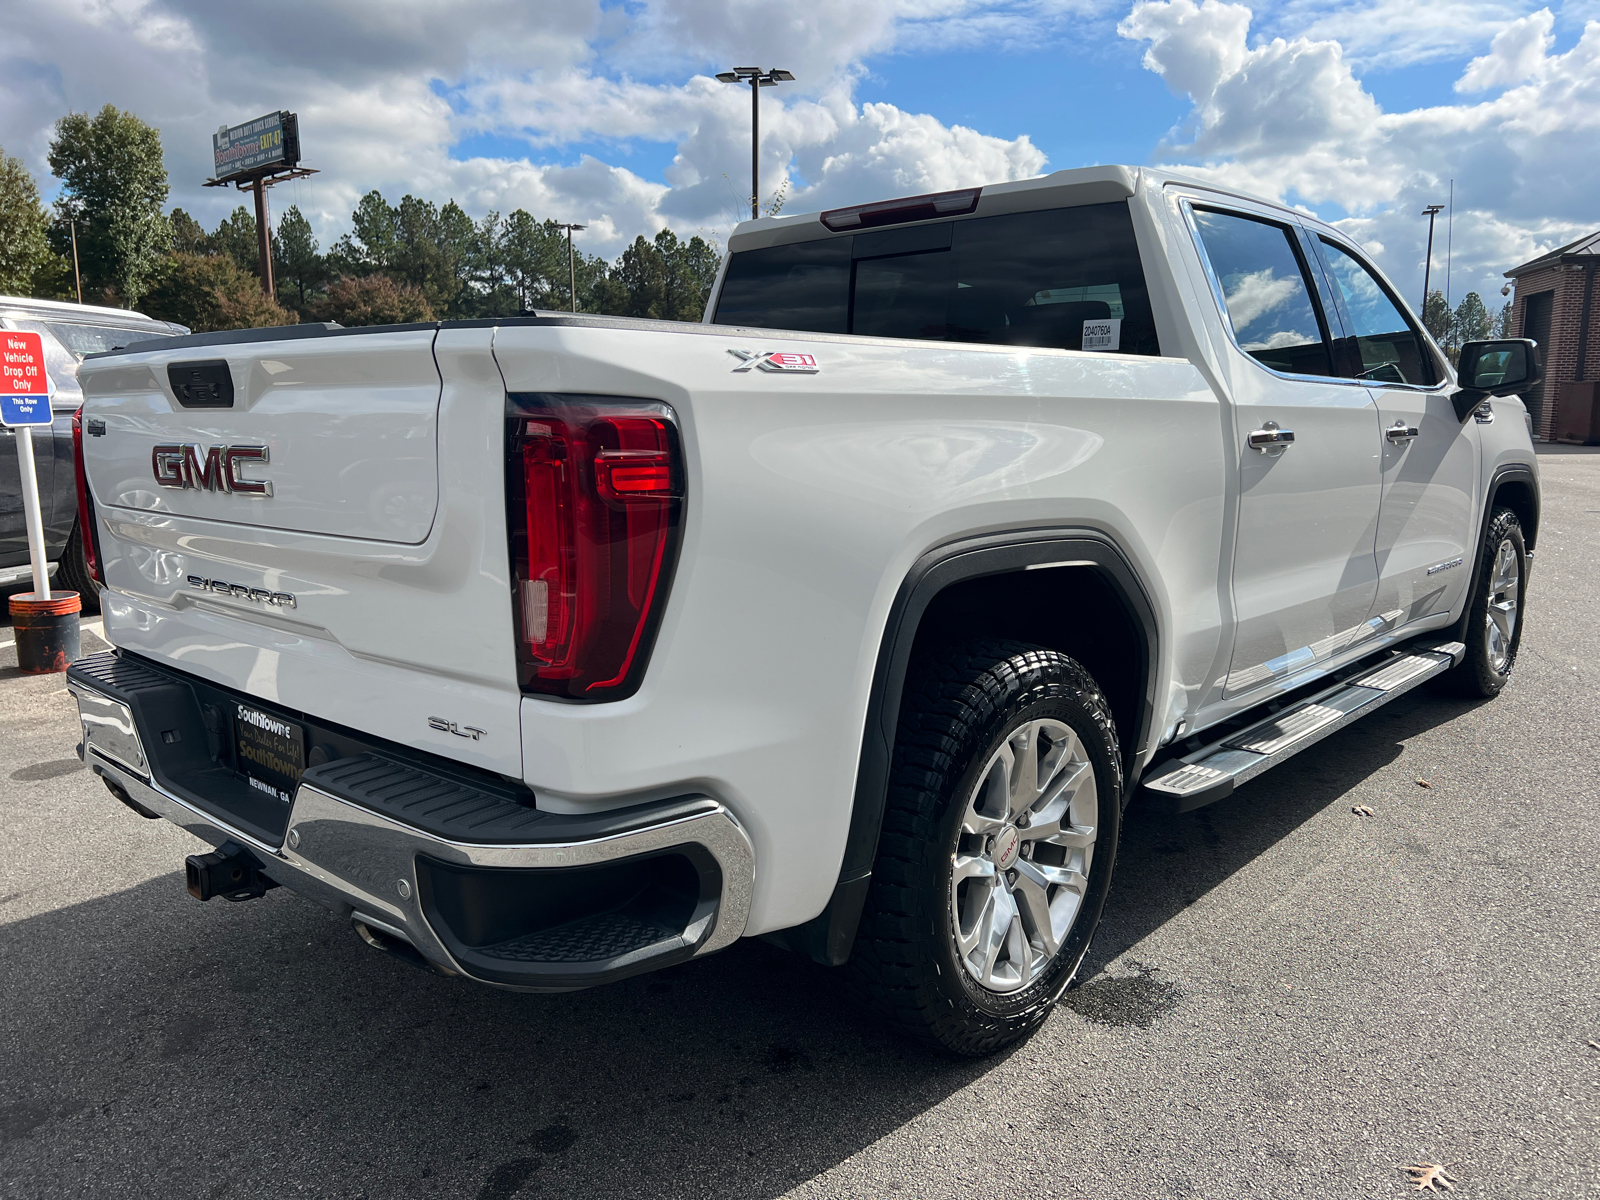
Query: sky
606, 112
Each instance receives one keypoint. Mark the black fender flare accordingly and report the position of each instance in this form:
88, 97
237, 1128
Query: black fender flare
828, 937
1503, 474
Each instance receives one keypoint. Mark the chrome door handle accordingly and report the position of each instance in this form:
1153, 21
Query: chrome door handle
1401, 432
1271, 437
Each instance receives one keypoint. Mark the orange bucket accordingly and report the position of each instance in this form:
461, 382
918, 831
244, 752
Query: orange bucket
47, 631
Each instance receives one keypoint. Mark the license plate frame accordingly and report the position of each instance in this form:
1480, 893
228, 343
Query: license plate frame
270, 751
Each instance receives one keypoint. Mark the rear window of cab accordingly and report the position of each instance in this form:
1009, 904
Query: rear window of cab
1068, 278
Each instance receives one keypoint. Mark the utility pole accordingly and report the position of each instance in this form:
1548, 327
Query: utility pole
77, 279
1449, 241
1432, 211
757, 79
572, 269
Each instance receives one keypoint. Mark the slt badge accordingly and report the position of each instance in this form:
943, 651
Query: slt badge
786, 361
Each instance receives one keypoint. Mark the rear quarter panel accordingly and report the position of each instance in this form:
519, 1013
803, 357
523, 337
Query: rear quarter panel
810, 497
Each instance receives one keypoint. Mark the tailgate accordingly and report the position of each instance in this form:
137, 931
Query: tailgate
350, 564
344, 430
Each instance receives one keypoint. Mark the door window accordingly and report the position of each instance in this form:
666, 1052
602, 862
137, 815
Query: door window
1388, 347
1264, 292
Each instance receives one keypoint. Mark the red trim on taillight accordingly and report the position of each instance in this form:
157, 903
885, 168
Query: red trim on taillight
595, 494
88, 532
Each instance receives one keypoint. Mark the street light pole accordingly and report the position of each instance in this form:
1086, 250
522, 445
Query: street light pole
76, 277
757, 79
572, 269
1432, 211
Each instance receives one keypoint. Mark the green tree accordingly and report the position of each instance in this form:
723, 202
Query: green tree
210, 291
114, 183
235, 236
373, 300
489, 270
370, 244
23, 248
527, 257
1472, 320
188, 235
1438, 318
665, 279
1502, 322
299, 270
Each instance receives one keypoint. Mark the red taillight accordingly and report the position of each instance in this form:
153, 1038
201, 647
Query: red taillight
87, 533
595, 490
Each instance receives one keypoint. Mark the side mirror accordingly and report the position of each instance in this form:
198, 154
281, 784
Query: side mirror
1499, 368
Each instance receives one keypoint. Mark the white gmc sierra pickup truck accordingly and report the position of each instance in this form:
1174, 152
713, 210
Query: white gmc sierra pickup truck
556, 649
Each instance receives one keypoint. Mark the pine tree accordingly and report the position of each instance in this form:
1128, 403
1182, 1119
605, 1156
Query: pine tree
298, 269
1436, 315
235, 236
1472, 321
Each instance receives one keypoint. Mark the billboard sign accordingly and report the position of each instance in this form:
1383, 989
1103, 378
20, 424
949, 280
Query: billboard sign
261, 145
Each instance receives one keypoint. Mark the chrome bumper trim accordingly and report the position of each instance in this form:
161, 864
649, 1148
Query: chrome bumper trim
109, 729
351, 859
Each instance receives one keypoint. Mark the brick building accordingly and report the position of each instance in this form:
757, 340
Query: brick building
1557, 307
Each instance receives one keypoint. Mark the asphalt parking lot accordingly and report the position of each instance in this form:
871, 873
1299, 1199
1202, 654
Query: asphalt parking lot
1287, 998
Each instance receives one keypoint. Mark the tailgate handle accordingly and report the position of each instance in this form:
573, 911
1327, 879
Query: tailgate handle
207, 384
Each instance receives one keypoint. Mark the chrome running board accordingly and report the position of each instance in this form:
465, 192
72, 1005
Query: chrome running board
1210, 773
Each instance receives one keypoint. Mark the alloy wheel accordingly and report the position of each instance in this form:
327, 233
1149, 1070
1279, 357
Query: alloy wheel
1505, 591
1021, 862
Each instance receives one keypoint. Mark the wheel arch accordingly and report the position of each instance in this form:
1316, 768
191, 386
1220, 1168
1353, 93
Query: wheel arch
1514, 486
1026, 564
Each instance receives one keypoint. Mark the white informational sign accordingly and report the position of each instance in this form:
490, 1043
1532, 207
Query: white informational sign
1104, 334
25, 403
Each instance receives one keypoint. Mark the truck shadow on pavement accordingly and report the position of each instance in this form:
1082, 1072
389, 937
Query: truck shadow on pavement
261, 1049
1166, 863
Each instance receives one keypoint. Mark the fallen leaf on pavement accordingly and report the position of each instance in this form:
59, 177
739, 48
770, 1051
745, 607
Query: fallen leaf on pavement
1425, 1175
1424, 783
1361, 810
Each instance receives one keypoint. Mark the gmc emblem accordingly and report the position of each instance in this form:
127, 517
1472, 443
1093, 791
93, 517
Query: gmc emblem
182, 467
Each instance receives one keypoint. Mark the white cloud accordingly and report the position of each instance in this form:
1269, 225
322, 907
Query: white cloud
1517, 54
1394, 33
386, 92
1287, 118
567, 95
1257, 294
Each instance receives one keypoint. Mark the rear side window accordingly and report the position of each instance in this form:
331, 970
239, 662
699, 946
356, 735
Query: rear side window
804, 286
1264, 292
1068, 278
1388, 346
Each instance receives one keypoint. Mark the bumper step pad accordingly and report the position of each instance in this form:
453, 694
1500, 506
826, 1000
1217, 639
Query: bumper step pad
461, 811
1212, 772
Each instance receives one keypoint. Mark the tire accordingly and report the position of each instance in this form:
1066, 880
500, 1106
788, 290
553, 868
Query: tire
1492, 627
949, 863
73, 574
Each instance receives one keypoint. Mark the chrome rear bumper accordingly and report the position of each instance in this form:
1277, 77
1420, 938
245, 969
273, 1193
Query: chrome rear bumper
381, 872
